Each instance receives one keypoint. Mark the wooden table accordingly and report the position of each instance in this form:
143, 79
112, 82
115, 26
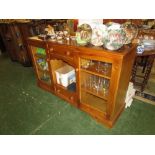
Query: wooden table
145, 60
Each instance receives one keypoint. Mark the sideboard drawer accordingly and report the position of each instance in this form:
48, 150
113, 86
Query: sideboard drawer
64, 52
69, 96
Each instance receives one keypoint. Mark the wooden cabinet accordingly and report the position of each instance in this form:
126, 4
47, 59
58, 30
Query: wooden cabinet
19, 44
14, 43
15, 34
97, 78
25, 32
8, 39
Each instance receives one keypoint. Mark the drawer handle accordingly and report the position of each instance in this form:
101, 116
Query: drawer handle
68, 53
51, 50
58, 91
55, 89
71, 98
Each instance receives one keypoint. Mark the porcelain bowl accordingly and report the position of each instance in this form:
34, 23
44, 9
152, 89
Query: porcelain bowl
115, 37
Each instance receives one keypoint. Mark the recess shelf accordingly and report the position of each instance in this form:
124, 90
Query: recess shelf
96, 73
40, 55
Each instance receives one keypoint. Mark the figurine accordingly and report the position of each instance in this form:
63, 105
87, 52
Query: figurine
49, 30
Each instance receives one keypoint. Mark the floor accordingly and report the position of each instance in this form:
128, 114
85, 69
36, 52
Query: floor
26, 109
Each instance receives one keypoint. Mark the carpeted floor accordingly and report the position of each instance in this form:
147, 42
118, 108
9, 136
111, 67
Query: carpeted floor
27, 109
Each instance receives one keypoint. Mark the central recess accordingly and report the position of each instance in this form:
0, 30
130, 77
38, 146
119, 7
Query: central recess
64, 75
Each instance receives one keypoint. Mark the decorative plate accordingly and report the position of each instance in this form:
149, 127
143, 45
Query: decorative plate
98, 32
115, 38
83, 34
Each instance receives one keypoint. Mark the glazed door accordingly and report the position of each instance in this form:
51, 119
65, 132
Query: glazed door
95, 82
42, 65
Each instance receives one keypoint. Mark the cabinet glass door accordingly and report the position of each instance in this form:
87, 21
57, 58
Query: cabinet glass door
95, 83
42, 68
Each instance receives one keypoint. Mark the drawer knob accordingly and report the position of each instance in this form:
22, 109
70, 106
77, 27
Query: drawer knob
76, 69
51, 49
68, 53
55, 89
71, 98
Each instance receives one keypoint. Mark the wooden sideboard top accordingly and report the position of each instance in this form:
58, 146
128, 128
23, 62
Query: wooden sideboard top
121, 52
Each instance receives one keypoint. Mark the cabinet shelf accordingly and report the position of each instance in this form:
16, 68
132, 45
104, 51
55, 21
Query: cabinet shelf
48, 82
40, 55
96, 73
99, 94
65, 88
60, 86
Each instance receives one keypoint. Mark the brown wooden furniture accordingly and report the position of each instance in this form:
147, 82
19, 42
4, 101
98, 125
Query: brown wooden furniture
14, 43
25, 32
102, 76
20, 45
145, 60
7, 37
15, 34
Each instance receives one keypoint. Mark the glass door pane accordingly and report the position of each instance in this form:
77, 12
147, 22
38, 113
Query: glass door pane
41, 64
64, 75
95, 82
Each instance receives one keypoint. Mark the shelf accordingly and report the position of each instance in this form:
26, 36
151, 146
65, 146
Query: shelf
92, 71
61, 86
98, 68
66, 88
45, 81
99, 94
91, 101
40, 55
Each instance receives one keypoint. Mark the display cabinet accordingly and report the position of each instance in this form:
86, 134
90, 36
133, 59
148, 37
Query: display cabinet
93, 79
